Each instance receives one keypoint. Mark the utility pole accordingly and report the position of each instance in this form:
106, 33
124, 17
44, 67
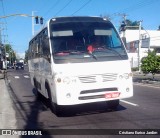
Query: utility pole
1, 32
123, 27
33, 22
139, 47
124, 19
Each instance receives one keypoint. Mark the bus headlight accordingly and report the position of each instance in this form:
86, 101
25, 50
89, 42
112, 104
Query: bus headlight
125, 75
66, 80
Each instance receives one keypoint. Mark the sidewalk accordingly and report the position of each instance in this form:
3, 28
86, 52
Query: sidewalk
7, 113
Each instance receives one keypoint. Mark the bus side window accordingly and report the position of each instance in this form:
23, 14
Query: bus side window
40, 46
36, 46
30, 56
45, 45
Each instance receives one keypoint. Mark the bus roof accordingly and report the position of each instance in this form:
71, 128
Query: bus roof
78, 18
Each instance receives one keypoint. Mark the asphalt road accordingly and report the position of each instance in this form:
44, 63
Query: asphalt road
139, 112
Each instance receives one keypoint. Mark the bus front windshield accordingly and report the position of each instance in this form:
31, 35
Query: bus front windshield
86, 42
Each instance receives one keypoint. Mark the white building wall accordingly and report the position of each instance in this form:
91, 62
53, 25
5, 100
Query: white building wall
150, 39
154, 35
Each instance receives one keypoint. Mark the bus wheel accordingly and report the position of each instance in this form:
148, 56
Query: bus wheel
37, 94
53, 107
35, 91
113, 104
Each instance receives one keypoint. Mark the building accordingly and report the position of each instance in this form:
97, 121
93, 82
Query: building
2, 61
149, 40
2, 55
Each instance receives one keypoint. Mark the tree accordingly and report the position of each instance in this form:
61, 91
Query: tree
11, 54
26, 56
151, 63
159, 27
130, 23
8, 48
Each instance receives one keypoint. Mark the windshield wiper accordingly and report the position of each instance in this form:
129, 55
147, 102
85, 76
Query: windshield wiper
92, 55
115, 52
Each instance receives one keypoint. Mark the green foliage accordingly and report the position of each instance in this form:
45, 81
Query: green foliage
8, 48
130, 23
134, 69
11, 53
151, 63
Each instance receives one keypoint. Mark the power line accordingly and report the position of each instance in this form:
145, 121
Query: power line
138, 5
63, 7
52, 7
82, 7
135, 6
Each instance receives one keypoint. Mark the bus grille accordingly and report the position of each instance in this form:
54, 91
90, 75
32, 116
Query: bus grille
95, 93
109, 77
98, 78
87, 79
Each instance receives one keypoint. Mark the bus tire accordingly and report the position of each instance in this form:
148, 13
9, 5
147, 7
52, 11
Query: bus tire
113, 104
36, 92
53, 107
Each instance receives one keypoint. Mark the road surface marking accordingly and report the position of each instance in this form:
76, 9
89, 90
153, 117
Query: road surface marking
16, 77
26, 76
129, 103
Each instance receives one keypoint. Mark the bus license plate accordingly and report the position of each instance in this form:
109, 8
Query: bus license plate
112, 95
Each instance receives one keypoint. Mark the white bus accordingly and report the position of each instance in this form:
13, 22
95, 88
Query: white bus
68, 67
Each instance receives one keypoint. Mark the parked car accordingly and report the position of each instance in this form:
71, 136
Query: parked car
19, 66
9, 66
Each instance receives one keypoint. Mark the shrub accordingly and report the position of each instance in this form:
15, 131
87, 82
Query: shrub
151, 63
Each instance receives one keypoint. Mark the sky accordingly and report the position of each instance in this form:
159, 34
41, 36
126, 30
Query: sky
17, 30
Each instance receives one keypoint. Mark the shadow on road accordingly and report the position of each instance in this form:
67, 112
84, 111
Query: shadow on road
87, 109
29, 116
32, 119
82, 109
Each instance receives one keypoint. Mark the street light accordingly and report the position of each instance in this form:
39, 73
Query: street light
37, 18
23, 15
